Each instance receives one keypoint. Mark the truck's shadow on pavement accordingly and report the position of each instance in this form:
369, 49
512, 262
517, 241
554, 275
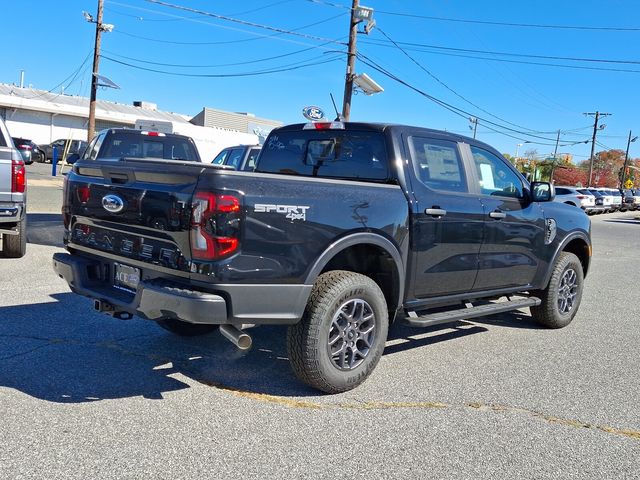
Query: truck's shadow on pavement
63, 352
45, 229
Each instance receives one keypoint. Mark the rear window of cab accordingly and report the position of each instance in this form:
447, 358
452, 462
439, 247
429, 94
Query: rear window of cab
342, 154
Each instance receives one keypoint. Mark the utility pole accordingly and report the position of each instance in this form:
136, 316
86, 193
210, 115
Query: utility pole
555, 153
94, 77
351, 62
626, 159
593, 142
474, 120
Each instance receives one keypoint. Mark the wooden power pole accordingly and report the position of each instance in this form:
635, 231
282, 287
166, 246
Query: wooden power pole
94, 76
351, 62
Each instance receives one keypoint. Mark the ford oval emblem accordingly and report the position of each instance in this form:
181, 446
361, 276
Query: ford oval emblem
112, 203
313, 113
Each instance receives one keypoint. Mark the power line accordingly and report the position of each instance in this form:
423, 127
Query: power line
225, 42
71, 78
245, 62
458, 111
451, 89
229, 75
488, 22
509, 54
241, 22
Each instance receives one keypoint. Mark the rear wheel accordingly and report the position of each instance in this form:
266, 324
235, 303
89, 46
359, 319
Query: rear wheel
342, 334
561, 298
15, 246
185, 329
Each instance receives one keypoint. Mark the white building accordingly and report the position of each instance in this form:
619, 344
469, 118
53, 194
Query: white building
45, 117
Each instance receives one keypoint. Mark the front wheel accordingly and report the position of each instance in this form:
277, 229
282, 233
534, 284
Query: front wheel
342, 334
561, 298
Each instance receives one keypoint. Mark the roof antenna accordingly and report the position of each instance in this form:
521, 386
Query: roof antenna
339, 118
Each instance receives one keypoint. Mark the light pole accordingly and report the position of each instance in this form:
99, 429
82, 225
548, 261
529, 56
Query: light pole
626, 159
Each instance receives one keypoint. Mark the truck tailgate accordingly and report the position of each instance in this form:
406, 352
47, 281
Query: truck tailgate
135, 211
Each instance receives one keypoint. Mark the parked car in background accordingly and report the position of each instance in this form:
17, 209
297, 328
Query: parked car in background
598, 199
571, 196
617, 198
607, 198
627, 200
636, 198
13, 197
76, 146
240, 157
29, 150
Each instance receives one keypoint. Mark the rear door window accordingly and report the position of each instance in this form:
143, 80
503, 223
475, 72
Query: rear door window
437, 164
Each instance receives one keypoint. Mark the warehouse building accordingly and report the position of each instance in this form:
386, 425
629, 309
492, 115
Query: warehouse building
44, 117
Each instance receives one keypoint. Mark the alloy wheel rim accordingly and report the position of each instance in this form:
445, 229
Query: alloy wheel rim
567, 291
352, 334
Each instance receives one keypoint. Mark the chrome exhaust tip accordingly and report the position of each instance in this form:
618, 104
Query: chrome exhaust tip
236, 336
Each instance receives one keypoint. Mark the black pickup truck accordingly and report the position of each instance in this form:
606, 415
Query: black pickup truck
342, 229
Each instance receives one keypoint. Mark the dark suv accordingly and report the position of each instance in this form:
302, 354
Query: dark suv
29, 150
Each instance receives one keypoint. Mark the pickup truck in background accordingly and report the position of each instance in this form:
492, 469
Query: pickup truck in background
116, 143
13, 197
342, 229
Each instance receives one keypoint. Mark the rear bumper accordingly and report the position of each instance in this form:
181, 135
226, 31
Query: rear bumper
156, 299
9, 216
593, 208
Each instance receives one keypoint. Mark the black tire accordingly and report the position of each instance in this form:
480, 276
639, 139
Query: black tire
40, 156
561, 298
185, 329
342, 334
15, 246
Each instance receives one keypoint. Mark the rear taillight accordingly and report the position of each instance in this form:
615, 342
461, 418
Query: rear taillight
215, 225
83, 192
581, 197
24, 147
18, 176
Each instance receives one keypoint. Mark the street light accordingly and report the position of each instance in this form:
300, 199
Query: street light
518, 145
626, 159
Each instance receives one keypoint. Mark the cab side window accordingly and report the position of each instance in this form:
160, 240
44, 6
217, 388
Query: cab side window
437, 164
495, 177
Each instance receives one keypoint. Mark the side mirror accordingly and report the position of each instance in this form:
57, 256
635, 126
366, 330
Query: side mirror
542, 192
73, 158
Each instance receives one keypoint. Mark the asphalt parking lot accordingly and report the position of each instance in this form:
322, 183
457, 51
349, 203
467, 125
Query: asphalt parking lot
83, 395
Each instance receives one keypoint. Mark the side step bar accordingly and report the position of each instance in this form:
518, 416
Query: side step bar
470, 312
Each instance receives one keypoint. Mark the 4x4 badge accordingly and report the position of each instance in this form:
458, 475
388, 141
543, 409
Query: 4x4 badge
112, 203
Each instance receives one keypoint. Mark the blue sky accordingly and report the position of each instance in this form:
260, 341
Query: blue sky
444, 56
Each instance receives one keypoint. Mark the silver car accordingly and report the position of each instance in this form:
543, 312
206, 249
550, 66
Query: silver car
571, 196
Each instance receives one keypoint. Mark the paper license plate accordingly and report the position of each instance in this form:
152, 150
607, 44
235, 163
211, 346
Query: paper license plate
126, 277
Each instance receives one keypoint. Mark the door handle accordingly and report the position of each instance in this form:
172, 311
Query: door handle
497, 214
435, 212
